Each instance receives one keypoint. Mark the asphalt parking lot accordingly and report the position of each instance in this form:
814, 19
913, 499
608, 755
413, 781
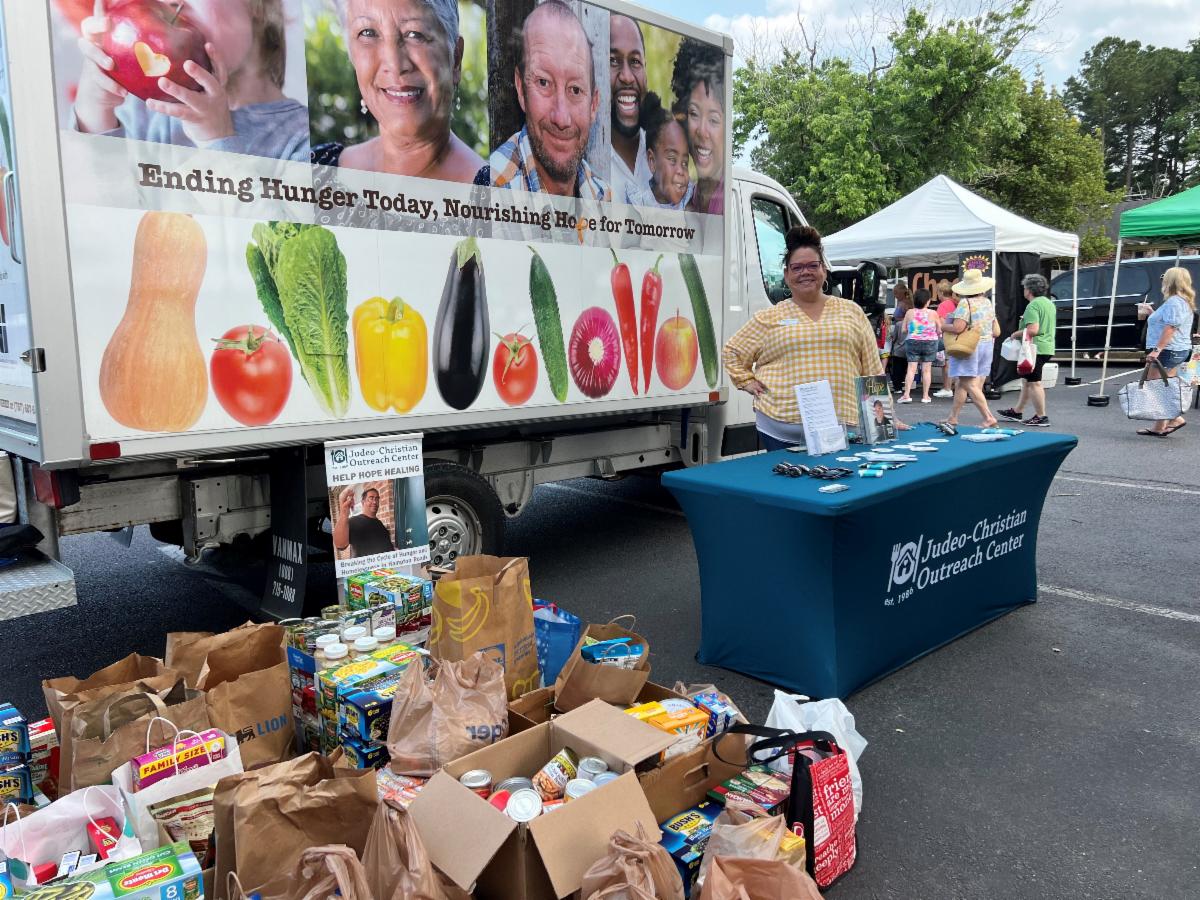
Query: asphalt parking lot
1050, 754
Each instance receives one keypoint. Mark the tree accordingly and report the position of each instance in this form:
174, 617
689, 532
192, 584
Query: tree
1050, 169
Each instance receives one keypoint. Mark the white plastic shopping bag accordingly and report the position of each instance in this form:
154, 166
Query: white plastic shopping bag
175, 785
44, 836
796, 713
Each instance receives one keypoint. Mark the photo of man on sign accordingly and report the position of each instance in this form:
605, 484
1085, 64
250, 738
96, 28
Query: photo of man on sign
361, 534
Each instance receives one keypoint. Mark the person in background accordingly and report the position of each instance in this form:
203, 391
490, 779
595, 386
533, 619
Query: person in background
923, 330
946, 304
1038, 325
810, 337
898, 358
670, 186
1169, 336
975, 311
239, 107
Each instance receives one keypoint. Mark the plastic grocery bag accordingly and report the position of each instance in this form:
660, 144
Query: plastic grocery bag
463, 709
1011, 349
757, 879
790, 711
176, 785
742, 834
47, 834
633, 869
557, 632
397, 864
320, 873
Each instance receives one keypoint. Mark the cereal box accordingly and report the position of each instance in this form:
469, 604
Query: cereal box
364, 754
365, 715
182, 756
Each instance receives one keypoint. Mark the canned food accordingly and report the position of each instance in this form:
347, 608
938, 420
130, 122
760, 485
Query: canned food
549, 806
478, 780
499, 799
512, 785
552, 779
524, 806
577, 787
331, 613
605, 778
591, 766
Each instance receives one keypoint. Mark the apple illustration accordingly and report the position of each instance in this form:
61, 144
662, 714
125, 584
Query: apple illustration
675, 352
148, 40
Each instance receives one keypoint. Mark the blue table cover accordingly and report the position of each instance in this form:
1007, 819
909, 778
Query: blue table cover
825, 593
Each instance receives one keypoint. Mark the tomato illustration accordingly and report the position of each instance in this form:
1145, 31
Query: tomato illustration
251, 374
515, 369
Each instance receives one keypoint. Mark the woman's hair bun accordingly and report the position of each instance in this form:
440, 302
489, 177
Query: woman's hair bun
803, 236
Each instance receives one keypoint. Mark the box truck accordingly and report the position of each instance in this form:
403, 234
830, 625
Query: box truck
513, 227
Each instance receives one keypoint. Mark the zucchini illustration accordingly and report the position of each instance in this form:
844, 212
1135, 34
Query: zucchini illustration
544, 299
703, 317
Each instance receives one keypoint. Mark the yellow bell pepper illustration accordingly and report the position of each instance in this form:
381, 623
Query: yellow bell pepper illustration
390, 354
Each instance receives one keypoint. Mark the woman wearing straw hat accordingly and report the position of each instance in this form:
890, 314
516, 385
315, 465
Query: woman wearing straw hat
975, 312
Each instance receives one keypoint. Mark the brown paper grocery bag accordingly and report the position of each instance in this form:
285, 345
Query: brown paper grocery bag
486, 605
187, 650
580, 681
264, 820
105, 736
59, 691
248, 691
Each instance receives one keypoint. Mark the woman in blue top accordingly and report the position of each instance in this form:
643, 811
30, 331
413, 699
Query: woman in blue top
1169, 335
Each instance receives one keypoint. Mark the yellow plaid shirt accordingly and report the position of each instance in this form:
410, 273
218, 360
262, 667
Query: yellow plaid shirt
782, 347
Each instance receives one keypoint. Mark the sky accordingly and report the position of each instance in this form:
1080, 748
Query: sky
1071, 26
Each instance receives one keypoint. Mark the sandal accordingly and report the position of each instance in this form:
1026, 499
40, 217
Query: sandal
1175, 428
1150, 432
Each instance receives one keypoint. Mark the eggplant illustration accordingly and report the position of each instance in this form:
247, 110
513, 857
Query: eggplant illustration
462, 335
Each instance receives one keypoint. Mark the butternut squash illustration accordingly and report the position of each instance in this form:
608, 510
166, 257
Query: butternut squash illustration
153, 376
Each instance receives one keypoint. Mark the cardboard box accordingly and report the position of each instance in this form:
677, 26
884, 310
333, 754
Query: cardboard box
476, 844
538, 706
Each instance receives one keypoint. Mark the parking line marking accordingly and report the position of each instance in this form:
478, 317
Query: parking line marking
1127, 605
1138, 486
1108, 378
598, 496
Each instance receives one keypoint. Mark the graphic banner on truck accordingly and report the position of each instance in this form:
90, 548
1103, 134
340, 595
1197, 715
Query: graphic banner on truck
310, 212
377, 503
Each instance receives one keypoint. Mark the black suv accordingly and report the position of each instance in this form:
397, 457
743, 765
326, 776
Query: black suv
1140, 280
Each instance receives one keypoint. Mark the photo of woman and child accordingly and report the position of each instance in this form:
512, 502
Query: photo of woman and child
240, 102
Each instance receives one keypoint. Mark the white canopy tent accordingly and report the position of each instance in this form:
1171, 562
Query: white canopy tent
941, 219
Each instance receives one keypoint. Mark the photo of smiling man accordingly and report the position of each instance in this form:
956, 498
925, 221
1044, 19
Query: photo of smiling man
555, 78
627, 76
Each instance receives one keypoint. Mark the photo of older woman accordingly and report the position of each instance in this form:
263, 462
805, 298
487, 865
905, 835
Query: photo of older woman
407, 60
698, 83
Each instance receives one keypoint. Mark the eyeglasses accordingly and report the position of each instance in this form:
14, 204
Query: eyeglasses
800, 268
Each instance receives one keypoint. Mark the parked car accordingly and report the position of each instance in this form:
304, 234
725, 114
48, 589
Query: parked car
1140, 280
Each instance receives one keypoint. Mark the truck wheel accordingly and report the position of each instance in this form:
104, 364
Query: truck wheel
463, 512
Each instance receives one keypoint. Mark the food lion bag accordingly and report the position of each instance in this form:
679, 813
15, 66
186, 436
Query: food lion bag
486, 605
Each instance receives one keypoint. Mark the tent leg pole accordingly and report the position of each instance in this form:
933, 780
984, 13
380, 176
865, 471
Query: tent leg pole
1074, 379
1101, 399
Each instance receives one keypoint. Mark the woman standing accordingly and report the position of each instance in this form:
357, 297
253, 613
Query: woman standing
1169, 336
897, 335
974, 312
809, 337
923, 329
946, 304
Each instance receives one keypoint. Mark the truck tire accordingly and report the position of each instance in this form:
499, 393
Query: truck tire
463, 512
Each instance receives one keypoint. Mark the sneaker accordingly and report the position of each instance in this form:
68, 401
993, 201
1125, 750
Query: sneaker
1036, 421
926, 400
905, 400
943, 394
1012, 415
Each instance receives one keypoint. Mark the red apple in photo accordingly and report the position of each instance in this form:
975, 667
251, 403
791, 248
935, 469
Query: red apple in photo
75, 11
675, 352
148, 40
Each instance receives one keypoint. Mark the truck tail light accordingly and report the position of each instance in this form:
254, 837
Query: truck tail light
109, 450
54, 489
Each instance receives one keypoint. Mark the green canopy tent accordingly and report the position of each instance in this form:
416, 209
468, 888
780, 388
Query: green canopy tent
1172, 220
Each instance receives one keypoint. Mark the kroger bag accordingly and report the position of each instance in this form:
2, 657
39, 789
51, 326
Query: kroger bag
793, 713
756, 879
397, 864
320, 873
463, 709
175, 784
44, 836
633, 869
265, 818
107, 733
557, 632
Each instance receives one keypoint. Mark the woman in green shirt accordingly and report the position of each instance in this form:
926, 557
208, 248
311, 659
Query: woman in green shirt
1038, 324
